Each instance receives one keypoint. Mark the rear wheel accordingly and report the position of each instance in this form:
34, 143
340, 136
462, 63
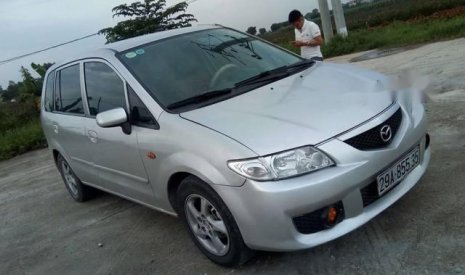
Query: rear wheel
210, 223
78, 191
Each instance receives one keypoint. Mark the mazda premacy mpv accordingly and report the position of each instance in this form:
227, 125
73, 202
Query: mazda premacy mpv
253, 147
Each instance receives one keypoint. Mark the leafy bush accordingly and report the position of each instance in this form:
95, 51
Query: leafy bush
13, 115
19, 140
20, 129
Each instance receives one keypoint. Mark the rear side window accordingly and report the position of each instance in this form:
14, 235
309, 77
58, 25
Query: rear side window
68, 97
48, 99
105, 90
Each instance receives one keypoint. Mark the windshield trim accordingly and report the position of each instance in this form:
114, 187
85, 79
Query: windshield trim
191, 107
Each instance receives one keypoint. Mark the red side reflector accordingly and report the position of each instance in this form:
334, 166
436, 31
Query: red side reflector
151, 155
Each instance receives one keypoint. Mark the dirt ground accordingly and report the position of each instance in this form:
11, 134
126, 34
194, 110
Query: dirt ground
42, 231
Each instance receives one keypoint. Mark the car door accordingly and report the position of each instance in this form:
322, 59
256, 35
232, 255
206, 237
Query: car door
66, 121
115, 154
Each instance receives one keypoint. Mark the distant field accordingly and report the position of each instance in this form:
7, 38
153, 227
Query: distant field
384, 12
416, 22
395, 35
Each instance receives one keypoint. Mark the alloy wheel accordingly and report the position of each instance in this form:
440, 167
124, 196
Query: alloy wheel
70, 180
207, 225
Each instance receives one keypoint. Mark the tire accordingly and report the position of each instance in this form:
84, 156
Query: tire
211, 227
78, 191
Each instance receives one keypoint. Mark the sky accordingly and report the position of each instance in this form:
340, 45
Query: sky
30, 25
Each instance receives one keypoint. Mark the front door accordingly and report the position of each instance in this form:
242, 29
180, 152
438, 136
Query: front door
115, 154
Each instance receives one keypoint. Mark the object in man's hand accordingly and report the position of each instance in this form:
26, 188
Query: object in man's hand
296, 43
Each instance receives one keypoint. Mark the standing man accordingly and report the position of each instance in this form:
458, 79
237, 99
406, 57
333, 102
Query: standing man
307, 36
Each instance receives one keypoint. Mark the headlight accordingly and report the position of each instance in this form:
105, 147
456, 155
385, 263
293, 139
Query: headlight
282, 165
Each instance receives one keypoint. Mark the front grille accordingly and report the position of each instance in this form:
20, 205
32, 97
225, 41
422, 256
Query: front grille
314, 222
371, 139
370, 193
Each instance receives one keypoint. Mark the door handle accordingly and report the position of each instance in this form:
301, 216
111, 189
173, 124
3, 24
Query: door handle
92, 135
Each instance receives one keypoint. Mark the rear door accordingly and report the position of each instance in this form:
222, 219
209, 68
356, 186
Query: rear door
115, 154
65, 120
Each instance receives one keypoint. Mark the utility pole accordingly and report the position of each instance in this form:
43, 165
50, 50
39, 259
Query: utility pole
326, 20
339, 18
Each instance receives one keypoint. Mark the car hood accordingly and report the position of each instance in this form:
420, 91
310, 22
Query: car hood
303, 109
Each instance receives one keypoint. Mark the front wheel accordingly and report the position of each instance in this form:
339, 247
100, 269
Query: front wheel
211, 224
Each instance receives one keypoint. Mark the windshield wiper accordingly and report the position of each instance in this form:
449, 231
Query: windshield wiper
275, 74
301, 64
200, 98
265, 76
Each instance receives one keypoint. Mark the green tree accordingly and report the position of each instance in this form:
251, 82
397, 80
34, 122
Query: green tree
11, 91
145, 17
277, 26
252, 30
29, 89
262, 31
312, 15
41, 69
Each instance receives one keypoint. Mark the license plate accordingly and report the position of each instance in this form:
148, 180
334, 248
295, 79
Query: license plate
392, 176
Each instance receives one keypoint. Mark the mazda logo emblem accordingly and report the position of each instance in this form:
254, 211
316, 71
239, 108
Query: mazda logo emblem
386, 133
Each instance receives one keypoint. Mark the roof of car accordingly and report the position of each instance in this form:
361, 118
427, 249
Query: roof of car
131, 43
143, 39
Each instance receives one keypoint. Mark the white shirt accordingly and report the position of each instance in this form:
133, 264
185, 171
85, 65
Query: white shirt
309, 31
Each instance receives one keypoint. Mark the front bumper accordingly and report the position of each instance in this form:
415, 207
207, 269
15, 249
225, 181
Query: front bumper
264, 211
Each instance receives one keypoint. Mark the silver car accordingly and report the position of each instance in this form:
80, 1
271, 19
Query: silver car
253, 147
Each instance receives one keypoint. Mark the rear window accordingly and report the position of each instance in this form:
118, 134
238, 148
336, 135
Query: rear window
68, 96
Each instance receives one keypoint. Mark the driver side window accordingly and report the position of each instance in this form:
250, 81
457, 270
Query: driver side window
104, 88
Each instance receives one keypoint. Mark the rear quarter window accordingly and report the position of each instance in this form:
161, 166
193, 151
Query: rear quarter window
49, 88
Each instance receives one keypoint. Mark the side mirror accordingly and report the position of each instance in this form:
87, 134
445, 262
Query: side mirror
113, 118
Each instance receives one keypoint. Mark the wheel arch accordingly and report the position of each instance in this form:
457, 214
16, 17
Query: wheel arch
173, 184
55, 154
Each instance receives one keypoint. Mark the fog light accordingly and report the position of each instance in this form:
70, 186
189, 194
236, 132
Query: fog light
321, 219
331, 216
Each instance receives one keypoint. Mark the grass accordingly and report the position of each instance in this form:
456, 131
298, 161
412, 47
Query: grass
395, 34
22, 139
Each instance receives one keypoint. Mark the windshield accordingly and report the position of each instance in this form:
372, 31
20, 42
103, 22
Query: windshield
193, 64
